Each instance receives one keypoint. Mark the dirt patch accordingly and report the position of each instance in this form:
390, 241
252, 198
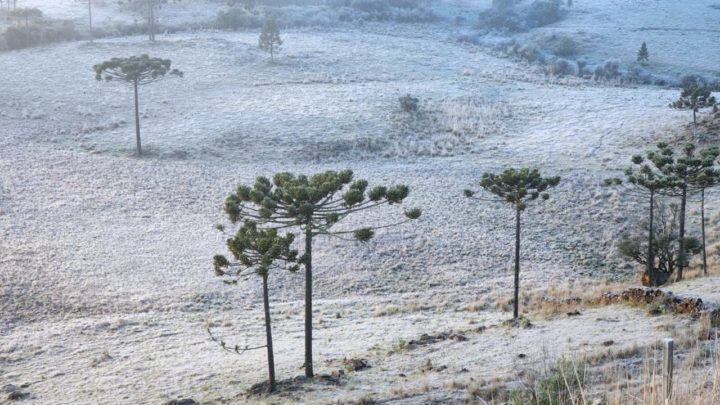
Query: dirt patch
298, 383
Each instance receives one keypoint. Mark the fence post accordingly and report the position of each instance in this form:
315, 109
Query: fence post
667, 369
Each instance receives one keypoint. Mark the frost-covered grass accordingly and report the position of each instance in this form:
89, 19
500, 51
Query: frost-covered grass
105, 275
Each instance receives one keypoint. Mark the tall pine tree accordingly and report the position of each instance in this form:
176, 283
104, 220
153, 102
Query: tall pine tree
316, 206
517, 187
260, 251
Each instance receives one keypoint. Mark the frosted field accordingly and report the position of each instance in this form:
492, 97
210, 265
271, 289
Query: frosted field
105, 259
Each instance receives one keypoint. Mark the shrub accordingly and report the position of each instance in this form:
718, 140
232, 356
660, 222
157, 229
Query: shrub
581, 65
610, 70
563, 385
501, 19
503, 4
560, 67
690, 81
237, 18
383, 10
18, 37
639, 75
505, 17
409, 103
542, 13
530, 53
565, 47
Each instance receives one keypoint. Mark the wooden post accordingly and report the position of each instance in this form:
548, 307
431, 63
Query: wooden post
667, 369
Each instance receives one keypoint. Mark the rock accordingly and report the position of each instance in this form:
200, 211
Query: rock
10, 388
573, 313
185, 401
16, 396
608, 343
355, 364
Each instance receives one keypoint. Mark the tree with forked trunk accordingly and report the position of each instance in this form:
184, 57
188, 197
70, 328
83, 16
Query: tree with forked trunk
137, 71
517, 187
316, 206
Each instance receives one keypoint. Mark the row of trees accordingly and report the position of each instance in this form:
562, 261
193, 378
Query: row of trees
267, 215
681, 175
8, 4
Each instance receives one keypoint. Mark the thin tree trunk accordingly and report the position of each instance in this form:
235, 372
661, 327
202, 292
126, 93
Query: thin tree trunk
681, 254
92, 36
651, 257
516, 308
268, 336
308, 302
702, 226
151, 20
137, 120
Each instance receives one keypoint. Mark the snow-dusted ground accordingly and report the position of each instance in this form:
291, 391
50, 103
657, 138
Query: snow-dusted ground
105, 259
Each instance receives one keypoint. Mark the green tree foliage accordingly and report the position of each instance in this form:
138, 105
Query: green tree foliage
643, 56
517, 187
690, 170
669, 249
316, 205
646, 175
704, 179
259, 251
694, 97
270, 40
138, 71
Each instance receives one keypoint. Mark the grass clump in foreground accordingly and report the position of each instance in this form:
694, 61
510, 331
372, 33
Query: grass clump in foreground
563, 384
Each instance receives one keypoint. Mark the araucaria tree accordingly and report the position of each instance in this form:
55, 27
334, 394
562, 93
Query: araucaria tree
269, 40
708, 178
645, 174
643, 56
258, 251
137, 71
517, 187
315, 205
695, 97
690, 170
